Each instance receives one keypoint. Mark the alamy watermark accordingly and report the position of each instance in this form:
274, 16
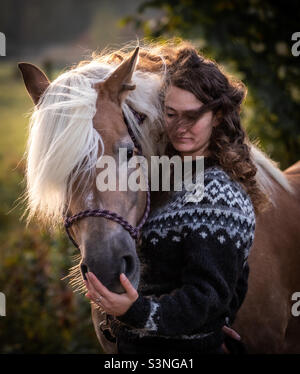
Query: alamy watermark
296, 46
296, 306
2, 305
133, 174
2, 44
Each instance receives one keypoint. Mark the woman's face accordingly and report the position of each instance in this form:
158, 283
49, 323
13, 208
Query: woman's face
193, 141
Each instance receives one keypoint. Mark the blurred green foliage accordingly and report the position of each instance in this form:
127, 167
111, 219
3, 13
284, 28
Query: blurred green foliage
91, 24
251, 38
43, 315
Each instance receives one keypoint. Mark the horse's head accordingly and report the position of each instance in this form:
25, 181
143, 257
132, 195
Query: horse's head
107, 249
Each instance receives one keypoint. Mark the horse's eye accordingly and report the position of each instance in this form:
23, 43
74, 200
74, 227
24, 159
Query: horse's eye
129, 153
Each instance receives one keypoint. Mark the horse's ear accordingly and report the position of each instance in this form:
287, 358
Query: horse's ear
118, 84
35, 80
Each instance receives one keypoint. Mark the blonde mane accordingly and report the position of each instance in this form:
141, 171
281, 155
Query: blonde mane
268, 172
63, 144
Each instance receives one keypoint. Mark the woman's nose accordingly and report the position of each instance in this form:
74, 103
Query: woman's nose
181, 132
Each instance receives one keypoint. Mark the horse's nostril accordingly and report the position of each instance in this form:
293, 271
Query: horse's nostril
127, 265
84, 270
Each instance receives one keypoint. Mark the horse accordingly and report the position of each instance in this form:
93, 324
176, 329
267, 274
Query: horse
84, 114
265, 320
72, 116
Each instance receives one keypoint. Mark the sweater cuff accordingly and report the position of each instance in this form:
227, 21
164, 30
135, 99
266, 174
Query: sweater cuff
137, 315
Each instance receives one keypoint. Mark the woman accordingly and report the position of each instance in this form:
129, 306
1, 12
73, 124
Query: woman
193, 254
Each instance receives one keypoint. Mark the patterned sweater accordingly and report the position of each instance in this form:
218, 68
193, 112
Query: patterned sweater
194, 269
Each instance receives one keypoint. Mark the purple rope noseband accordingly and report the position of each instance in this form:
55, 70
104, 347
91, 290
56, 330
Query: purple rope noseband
133, 231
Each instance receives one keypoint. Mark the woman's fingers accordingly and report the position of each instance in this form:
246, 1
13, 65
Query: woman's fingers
231, 333
96, 287
113, 303
130, 290
90, 286
94, 296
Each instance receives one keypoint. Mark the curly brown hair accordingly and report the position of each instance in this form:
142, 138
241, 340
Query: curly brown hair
223, 95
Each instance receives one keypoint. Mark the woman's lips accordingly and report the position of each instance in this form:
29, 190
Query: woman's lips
181, 139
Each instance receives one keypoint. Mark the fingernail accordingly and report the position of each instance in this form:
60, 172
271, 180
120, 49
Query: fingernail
123, 276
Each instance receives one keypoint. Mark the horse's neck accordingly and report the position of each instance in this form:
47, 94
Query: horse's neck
269, 175
293, 175
293, 169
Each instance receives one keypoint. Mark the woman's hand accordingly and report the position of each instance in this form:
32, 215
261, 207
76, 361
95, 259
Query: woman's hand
233, 334
113, 303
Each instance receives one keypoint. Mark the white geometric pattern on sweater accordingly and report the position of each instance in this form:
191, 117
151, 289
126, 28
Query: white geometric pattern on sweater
213, 191
150, 324
235, 215
141, 333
